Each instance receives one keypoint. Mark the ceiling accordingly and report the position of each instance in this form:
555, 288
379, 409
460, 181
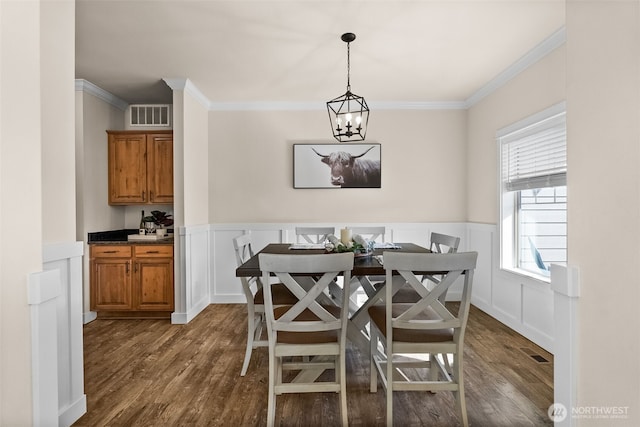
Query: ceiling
263, 51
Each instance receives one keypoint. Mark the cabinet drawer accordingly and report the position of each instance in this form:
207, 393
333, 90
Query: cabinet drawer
159, 251
110, 251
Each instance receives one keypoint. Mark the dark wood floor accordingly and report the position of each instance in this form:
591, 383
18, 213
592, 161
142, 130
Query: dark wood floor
152, 373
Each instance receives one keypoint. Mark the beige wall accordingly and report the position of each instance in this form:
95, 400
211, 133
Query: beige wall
535, 89
196, 162
94, 117
251, 168
36, 200
20, 186
92, 174
58, 126
603, 135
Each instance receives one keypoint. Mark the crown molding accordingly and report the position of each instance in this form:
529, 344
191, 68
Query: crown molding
418, 105
266, 106
186, 85
321, 106
544, 48
83, 85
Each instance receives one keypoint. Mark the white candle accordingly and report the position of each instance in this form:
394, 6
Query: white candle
345, 235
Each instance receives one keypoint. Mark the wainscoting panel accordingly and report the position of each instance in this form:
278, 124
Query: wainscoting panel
226, 287
522, 303
65, 259
506, 297
480, 239
192, 293
537, 312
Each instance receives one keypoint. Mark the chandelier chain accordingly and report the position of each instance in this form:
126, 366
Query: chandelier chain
348, 68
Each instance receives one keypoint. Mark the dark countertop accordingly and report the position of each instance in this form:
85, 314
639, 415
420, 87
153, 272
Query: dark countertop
119, 237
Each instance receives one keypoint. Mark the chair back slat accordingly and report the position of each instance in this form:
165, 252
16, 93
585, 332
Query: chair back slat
242, 246
442, 243
244, 251
450, 266
294, 271
313, 235
375, 233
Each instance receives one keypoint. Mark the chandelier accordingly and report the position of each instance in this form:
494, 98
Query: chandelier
348, 113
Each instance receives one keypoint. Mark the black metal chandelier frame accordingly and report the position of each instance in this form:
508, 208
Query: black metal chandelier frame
348, 113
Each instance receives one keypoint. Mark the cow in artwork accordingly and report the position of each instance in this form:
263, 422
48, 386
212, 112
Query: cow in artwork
349, 171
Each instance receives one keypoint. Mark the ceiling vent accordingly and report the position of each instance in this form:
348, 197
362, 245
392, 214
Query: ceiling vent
150, 115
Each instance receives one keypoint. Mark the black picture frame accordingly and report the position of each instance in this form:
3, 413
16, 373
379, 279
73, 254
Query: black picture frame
354, 165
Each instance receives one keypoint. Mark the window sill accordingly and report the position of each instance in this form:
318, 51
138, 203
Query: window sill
546, 279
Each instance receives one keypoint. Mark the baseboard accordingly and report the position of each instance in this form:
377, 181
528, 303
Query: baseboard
184, 318
228, 299
73, 412
89, 316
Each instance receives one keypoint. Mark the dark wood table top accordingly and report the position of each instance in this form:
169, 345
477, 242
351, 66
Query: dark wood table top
362, 266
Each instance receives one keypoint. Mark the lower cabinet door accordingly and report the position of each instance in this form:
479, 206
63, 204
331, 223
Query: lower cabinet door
154, 284
111, 283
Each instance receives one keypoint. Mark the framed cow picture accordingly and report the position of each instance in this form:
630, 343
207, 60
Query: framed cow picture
337, 165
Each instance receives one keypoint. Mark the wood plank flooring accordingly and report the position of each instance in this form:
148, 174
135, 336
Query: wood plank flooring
152, 373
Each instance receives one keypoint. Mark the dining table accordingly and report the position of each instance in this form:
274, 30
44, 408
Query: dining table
368, 273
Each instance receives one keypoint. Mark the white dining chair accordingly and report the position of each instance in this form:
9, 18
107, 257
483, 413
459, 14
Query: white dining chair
313, 235
426, 327
438, 243
310, 328
372, 233
443, 243
254, 295
367, 284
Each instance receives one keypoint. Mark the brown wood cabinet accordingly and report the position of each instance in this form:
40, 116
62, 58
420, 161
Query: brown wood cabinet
140, 167
132, 280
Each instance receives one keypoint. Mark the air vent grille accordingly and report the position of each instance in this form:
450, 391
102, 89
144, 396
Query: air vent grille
150, 115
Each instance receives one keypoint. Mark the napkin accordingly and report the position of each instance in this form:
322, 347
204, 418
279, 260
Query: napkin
386, 246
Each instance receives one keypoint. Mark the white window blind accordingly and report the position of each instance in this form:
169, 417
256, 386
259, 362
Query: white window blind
535, 156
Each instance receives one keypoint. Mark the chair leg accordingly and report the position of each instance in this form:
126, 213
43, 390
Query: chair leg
373, 371
389, 387
251, 328
271, 402
341, 375
459, 394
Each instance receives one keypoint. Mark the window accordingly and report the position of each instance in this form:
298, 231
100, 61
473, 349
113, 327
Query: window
533, 178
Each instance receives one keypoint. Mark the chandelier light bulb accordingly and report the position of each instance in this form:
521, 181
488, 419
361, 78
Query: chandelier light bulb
348, 117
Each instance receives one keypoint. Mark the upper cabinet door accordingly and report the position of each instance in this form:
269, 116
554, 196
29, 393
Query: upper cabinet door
160, 168
127, 169
140, 167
